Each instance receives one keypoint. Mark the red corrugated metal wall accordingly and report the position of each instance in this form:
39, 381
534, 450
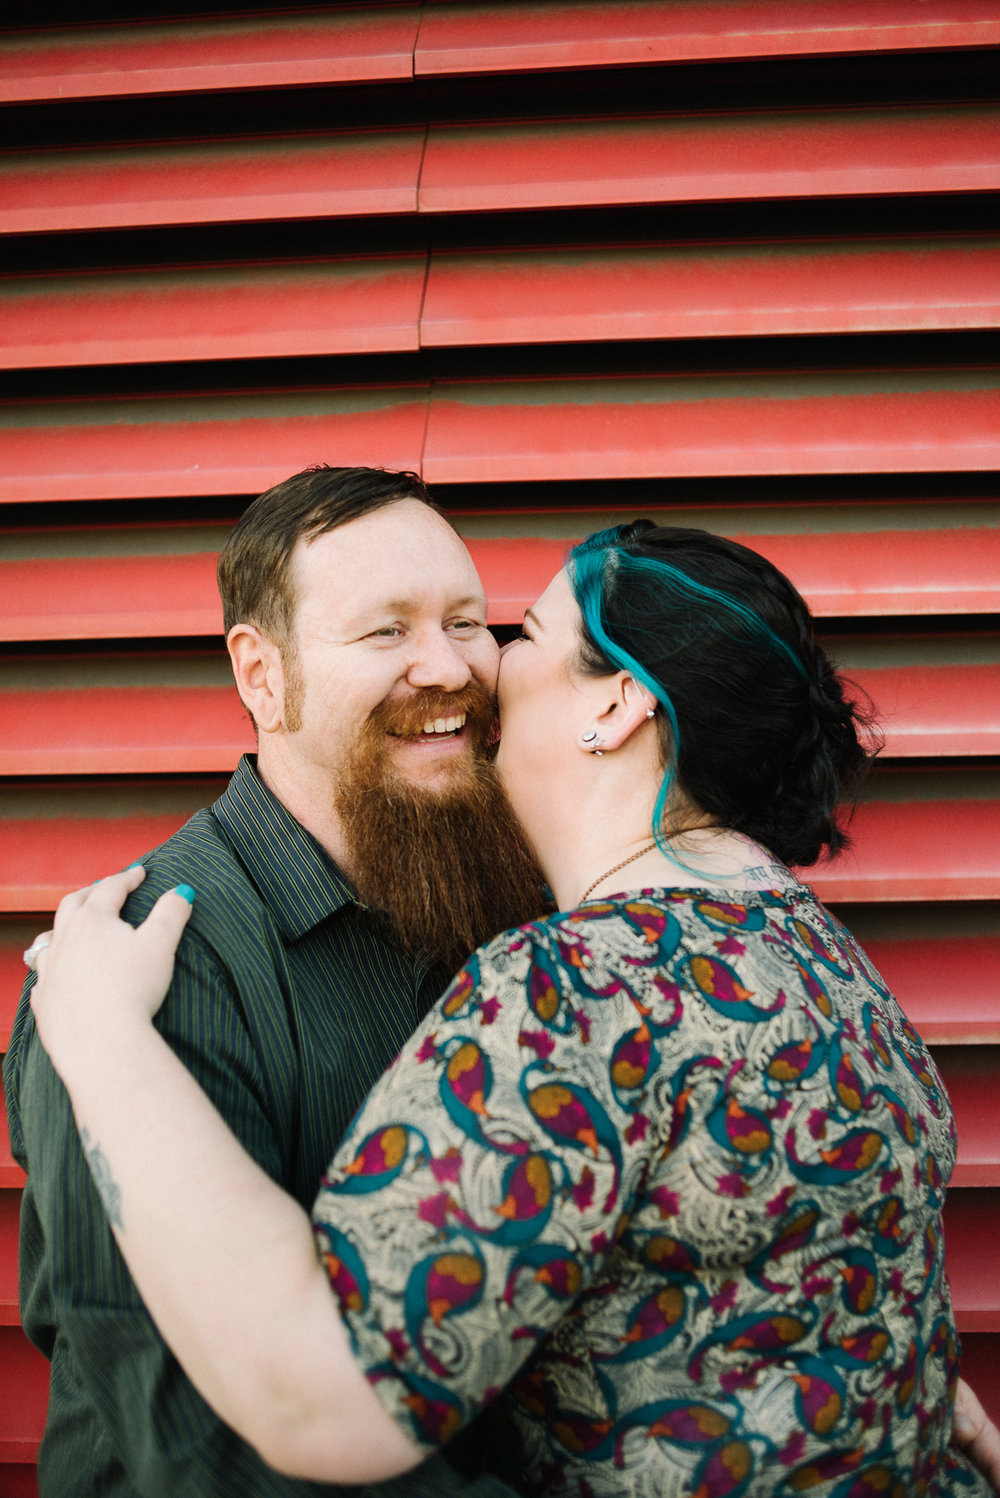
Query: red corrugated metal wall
729, 263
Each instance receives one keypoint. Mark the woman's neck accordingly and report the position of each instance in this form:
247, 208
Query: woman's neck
693, 858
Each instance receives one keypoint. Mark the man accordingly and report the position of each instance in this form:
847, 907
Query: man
339, 879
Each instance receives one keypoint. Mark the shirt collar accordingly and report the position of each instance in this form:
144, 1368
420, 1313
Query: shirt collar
298, 880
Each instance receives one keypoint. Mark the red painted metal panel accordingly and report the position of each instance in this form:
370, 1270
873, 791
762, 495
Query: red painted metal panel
971, 1077
972, 1231
905, 850
930, 710
24, 1394
917, 850
274, 51
11, 1173
9, 1208
706, 159
15, 935
890, 572
567, 296
233, 312
86, 832
44, 859
980, 1360
102, 597
100, 730
842, 574
215, 445
307, 177
266, 51
651, 427
123, 730
947, 985
472, 38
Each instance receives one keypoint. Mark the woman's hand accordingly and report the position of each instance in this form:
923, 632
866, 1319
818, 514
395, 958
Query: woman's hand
98, 972
973, 1432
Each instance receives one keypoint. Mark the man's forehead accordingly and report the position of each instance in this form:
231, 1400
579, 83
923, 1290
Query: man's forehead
376, 569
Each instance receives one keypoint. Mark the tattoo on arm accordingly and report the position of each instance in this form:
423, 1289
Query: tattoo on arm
107, 1190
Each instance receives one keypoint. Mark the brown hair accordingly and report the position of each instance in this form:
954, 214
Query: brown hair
254, 571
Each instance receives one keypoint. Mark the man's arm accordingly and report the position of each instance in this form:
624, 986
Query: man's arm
156, 1424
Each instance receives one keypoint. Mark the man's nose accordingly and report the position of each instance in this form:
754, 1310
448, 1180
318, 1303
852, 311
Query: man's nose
438, 662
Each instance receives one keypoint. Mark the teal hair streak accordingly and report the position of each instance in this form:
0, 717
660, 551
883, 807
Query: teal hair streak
590, 564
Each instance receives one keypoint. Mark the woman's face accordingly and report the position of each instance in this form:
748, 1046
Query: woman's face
544, 703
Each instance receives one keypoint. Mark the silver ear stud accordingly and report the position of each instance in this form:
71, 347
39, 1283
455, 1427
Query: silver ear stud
589, 738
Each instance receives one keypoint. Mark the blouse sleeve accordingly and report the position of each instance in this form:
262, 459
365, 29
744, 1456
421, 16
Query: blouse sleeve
485, 1178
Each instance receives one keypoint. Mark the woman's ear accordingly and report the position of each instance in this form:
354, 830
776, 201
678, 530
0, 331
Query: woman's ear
260, 677
628, 708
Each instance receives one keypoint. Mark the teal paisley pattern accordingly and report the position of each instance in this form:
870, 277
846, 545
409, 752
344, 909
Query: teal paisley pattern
660, 1180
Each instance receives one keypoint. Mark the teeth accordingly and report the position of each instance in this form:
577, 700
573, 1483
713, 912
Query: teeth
445, 725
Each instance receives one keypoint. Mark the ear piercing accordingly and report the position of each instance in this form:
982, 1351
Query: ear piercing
651, 712
589, 738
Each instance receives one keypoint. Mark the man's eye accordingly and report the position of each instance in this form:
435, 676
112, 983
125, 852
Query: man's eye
466, 624
388, 633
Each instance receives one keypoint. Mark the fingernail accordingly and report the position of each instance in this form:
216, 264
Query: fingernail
136, 863
186, 892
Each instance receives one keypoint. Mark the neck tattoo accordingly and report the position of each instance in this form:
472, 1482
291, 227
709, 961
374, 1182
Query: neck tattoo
608, 872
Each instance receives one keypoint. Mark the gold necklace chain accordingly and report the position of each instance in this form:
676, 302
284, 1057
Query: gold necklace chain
608, 872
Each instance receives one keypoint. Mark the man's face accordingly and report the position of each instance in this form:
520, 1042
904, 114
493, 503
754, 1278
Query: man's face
390, 621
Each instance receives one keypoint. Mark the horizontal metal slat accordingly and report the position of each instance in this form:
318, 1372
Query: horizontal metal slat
210, 445
272, 51
105, 730
890, 572
672, 160
15, 935
83, 598
473, 38
487, 167
54, 839
123, 731
9, 1207
556, 296
342, 306
263, 51
947, 985
972, 1230
936, 710
364, 305
11, 1173
841, 574
947, 849
310, 177
711, 425
24, 1392
619, 427
916, 850
972, 1077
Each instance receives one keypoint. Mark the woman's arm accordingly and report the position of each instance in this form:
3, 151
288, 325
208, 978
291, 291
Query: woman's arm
224, 1259
975, 1433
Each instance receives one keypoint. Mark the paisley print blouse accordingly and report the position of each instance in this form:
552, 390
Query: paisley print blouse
660, 1179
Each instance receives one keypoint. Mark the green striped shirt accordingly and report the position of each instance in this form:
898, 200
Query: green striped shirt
287, 1003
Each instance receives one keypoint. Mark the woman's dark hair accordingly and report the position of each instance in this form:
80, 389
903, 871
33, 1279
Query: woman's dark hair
756, 729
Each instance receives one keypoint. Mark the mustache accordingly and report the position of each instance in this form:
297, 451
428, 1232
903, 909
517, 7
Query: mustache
407, 716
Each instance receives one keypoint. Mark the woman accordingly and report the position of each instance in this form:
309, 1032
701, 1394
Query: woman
659, 1179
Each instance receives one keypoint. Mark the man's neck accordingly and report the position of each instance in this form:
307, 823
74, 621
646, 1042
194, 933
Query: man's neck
310, 801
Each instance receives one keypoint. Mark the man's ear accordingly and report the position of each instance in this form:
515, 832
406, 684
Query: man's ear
629, 708
260, 677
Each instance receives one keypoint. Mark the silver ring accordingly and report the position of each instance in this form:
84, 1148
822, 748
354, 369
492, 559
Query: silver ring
38, 945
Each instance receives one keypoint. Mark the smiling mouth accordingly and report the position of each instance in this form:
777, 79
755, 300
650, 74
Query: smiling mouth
435, 730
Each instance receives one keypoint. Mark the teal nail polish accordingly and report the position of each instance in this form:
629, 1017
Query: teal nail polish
186, 893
